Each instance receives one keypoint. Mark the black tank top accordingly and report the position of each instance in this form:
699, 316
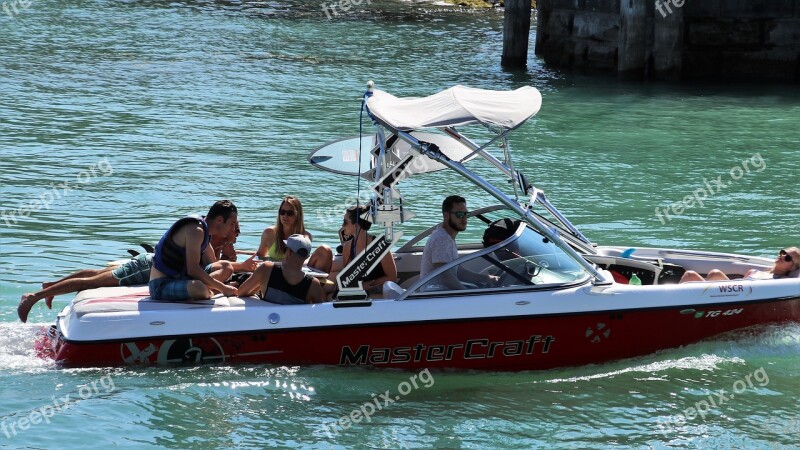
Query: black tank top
281, 292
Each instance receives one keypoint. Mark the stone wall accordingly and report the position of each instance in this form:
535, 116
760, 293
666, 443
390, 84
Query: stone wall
678, 39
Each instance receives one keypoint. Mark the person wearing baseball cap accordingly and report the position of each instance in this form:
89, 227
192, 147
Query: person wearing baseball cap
285, 283
499, 231
299, 244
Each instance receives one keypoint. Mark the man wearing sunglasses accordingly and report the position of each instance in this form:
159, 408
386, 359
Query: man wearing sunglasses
787, 265
441, 247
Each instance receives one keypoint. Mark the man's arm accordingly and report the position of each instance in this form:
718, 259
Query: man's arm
248, 265
209, 257
315, 292
260, 278
194, 239
475, 277
452, 278
442, 253
448, 278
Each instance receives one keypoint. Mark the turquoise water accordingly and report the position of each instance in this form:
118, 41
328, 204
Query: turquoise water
151, 110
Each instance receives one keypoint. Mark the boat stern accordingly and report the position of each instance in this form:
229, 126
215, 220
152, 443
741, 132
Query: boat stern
49, 341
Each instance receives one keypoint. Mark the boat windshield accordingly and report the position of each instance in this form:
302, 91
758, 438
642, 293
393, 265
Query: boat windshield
525, 259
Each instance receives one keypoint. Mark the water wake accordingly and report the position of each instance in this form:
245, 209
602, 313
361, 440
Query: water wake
742, 347
17, 353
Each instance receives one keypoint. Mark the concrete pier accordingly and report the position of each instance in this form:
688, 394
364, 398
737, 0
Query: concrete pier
673, 39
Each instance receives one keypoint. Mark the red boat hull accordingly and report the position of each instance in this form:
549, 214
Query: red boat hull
514, 343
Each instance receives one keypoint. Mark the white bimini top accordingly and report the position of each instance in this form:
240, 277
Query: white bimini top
458, 105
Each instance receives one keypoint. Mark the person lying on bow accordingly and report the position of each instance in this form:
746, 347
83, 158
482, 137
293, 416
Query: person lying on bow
787, 265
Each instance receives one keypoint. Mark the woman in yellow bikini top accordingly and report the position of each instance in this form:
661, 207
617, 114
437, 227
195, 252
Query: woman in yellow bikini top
289, 222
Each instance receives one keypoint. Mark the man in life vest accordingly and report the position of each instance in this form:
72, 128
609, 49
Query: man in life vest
182, 264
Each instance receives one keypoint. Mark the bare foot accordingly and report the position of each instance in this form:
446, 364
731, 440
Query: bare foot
25, 304
48, 300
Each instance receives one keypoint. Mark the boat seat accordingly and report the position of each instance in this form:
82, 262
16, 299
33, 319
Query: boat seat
137, 298
647, 271
392, 290
607, 274
410, 282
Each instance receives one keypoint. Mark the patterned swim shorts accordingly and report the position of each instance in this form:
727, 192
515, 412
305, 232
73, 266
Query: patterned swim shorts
134, 272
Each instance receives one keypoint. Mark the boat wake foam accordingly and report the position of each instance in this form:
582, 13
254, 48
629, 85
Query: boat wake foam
748, 346
702, 362
17, 353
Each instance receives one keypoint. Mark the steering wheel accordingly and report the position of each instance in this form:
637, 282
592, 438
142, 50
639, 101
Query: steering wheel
532, 269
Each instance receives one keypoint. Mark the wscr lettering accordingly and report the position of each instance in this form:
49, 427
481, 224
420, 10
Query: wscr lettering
731, 288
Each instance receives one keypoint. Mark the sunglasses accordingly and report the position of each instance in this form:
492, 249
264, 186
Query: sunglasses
459, 214
786, 257
286, 212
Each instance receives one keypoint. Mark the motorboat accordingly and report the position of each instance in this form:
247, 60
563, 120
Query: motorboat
556, 299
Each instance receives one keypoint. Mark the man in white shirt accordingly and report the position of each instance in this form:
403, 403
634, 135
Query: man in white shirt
441, 247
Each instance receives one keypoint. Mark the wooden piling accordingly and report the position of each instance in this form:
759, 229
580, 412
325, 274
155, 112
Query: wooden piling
543, 9
632, 46
516, 30
668, 34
